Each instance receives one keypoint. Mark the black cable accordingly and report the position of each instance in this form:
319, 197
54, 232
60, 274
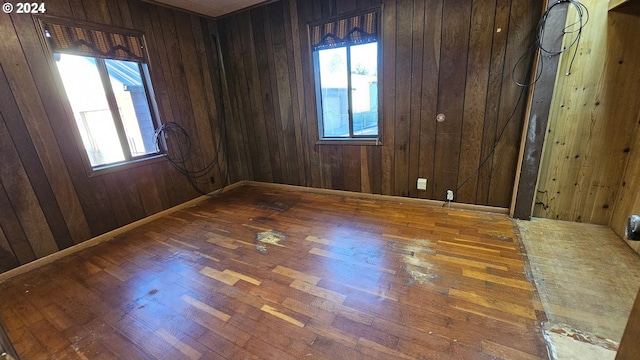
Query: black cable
174, 142
583, 19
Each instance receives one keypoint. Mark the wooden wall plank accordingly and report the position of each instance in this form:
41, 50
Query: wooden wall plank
295, 73
478, 68
453, 64
59, 8
503, 172
402, 116
235, 167
351, 162
430, 85
77, 9
22, 198
273, 66
12, 229
284, 91
313, 164
173, 24
206, 65
494, 89
388, 83
148, 189
270, 100
195, 86
260, 151
98, 11
8, 259
124, 197
415, 100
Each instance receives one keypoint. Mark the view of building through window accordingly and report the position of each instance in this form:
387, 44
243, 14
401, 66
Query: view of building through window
350, 68
110, 134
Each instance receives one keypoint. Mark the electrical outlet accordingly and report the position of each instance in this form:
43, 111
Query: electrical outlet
449, 195
422, 184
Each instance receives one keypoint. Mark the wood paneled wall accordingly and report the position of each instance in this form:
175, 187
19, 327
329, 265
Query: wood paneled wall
453, 57
593, 123
47, 201
624, 25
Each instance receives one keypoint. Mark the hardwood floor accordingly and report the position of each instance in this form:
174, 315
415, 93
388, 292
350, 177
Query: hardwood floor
260, 272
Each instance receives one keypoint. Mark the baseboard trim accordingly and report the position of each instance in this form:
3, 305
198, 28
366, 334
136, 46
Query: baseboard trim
398, 199
106, 236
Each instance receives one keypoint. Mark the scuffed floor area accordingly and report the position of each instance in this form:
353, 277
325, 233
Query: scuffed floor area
587, 279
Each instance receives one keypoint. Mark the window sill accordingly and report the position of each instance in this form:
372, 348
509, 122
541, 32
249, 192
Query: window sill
111, 168
350, 141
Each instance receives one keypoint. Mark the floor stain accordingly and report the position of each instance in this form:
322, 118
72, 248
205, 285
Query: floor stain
272, 237
581, 336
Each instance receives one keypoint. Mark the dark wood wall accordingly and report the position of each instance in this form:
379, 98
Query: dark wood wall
453, 57
47, 200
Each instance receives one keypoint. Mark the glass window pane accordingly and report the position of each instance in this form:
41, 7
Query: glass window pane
84, 89
334, 95
364, 88
131, 97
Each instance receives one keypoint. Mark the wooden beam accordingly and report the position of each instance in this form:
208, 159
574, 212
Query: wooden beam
540, 103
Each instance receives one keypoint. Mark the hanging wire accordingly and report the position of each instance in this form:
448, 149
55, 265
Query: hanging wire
575, 27
174, 142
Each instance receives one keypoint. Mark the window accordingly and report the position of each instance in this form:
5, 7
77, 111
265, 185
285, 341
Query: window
105, 77
345, 57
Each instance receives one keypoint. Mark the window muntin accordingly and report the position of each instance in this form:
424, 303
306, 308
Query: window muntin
345, 55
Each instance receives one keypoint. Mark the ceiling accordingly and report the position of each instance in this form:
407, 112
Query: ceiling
212, 8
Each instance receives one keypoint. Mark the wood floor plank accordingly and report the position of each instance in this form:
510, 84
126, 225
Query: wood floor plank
187, 350
294, 274
347, 278
219, 275
318, 291
505, 352
206, 308
273, 311
494, 304
244, 277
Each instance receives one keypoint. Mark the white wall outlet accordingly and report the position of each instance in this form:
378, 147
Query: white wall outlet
449, 195
422, 184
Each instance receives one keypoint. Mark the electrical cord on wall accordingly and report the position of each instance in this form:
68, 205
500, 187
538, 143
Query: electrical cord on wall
175, 143
583, 19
